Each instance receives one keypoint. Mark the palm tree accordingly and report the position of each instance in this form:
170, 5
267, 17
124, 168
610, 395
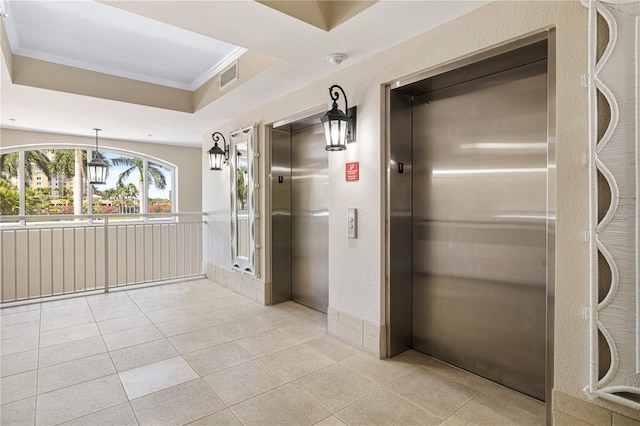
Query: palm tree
132, 193
9, 198
67, 162
9, 167
155, 175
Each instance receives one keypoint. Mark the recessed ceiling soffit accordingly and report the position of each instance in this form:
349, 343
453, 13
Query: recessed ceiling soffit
93, 49
323, 14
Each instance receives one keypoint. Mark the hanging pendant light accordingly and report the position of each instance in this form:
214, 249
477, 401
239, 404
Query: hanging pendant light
218, 156
339, 128
97, 167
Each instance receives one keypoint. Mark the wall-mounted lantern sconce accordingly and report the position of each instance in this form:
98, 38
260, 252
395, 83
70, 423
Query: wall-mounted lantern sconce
217, 155
97, 167
339, 128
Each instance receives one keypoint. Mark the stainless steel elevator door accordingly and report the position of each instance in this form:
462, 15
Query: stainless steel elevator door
479, 226
309, 218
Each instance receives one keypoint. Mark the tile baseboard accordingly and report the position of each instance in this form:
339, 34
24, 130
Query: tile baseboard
357, 332
246, 285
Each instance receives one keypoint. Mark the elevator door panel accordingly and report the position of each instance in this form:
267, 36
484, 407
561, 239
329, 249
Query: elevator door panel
310, 218
479, 226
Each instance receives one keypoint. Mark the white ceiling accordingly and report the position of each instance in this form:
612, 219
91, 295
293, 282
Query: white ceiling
97, 37
300, 47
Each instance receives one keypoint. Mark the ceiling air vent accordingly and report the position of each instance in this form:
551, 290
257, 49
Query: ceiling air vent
229, 75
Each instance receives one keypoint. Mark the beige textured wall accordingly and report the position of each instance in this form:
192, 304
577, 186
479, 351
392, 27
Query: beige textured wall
356, 274
186, 160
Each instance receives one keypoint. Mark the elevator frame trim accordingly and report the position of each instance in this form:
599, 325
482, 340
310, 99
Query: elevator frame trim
270, 175
389, 167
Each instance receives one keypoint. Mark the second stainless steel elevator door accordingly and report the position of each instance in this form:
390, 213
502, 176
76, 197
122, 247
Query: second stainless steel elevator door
309, 218
479, 226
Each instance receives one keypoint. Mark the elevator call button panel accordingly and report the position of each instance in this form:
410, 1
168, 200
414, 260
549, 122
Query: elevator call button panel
352, 223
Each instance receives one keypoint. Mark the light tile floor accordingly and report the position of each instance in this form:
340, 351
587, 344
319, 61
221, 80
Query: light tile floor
197, 353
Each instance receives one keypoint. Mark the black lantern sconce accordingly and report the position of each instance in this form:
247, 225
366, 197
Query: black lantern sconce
97, 167
339, 128
217, 155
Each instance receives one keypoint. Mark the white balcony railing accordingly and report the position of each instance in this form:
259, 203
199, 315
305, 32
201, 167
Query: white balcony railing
42, 256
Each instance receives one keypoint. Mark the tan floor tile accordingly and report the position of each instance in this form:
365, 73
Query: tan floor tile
69, 320
434, 393
199, 339
109, 300
333, 348
268, 342
20, 317
468, 379
282, 406
306, 330
148, 293
19, 413
177, 405
146, 353
69, 334
484, 410
17, 387
76, 303
164, 315
158, 304
243, 381
335, 387
62, 308
296, 362
79, 400
73, 372
385, 408
118, 415
209, 360
16, 345
377, 370
17, 330
221, 418
154, 377
512, 405
72, 350
17, 309
116, 312
215, 304
136, 336
330, 421
243, 328
226, 315
18, 363
183, 324
280, 318
120, 324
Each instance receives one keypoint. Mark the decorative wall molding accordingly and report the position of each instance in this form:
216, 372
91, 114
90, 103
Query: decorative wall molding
615, 237
248, 263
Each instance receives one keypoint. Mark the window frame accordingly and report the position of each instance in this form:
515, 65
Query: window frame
144, 196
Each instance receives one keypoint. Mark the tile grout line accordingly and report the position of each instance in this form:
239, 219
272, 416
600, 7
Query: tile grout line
114, 366
462, 406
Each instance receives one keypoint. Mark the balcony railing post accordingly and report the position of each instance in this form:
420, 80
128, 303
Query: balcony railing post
106, 254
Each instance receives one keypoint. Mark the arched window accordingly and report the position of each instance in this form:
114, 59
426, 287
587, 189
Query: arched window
52, 180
